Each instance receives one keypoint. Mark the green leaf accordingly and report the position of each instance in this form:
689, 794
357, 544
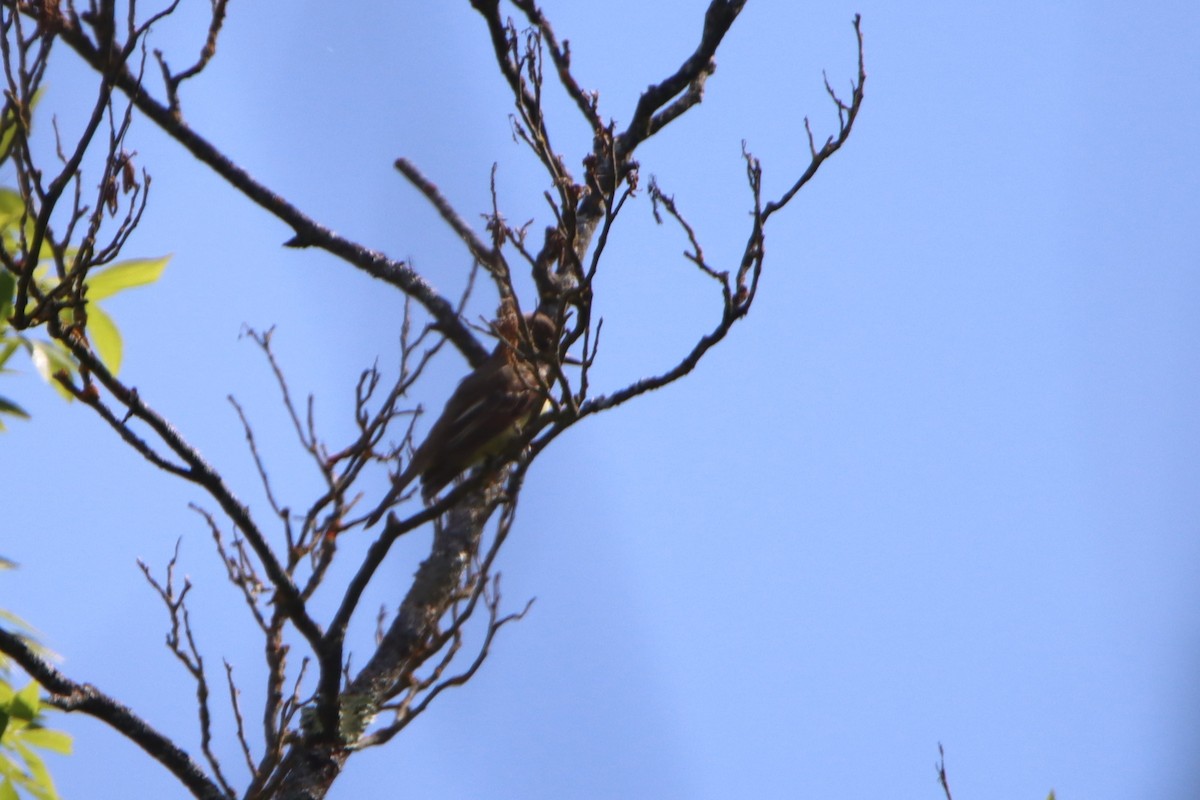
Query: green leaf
125, 275
9, 617
105, 337
10, 131
11, 210
46, 739
8, 346
22, 629
9, 407
8, 287
41, 785
7, 791
49, 358
26, 703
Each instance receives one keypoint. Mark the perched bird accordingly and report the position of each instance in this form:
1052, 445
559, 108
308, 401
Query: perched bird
490, 408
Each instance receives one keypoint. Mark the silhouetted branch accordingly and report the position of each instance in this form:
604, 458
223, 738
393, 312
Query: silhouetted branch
649, 117
941, 772
420, 652
209, 50
182, 645
68, 695
307, 232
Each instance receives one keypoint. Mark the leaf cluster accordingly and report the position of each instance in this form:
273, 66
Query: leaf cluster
22, 732
22, 735
50, 357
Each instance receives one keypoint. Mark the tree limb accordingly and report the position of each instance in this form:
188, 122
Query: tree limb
68, 695
308, 232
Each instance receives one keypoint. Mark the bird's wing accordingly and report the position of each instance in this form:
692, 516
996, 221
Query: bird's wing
489, 410
482, 416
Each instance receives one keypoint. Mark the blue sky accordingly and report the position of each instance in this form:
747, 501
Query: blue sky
939, 487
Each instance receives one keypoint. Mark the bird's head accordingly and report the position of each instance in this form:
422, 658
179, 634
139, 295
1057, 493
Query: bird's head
540, 331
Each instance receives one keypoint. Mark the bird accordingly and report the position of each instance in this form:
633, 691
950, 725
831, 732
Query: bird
487, 412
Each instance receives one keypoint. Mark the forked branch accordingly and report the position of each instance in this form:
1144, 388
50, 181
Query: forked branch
415, 658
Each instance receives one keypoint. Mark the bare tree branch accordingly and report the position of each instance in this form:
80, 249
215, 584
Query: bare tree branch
307, 232
847, 114
688, 78
182, 645
203, 474
209, 50
587, 102
307, 738
941, 772
68, 695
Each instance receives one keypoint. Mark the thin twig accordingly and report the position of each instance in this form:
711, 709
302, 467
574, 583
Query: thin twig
940, 766
182, 644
